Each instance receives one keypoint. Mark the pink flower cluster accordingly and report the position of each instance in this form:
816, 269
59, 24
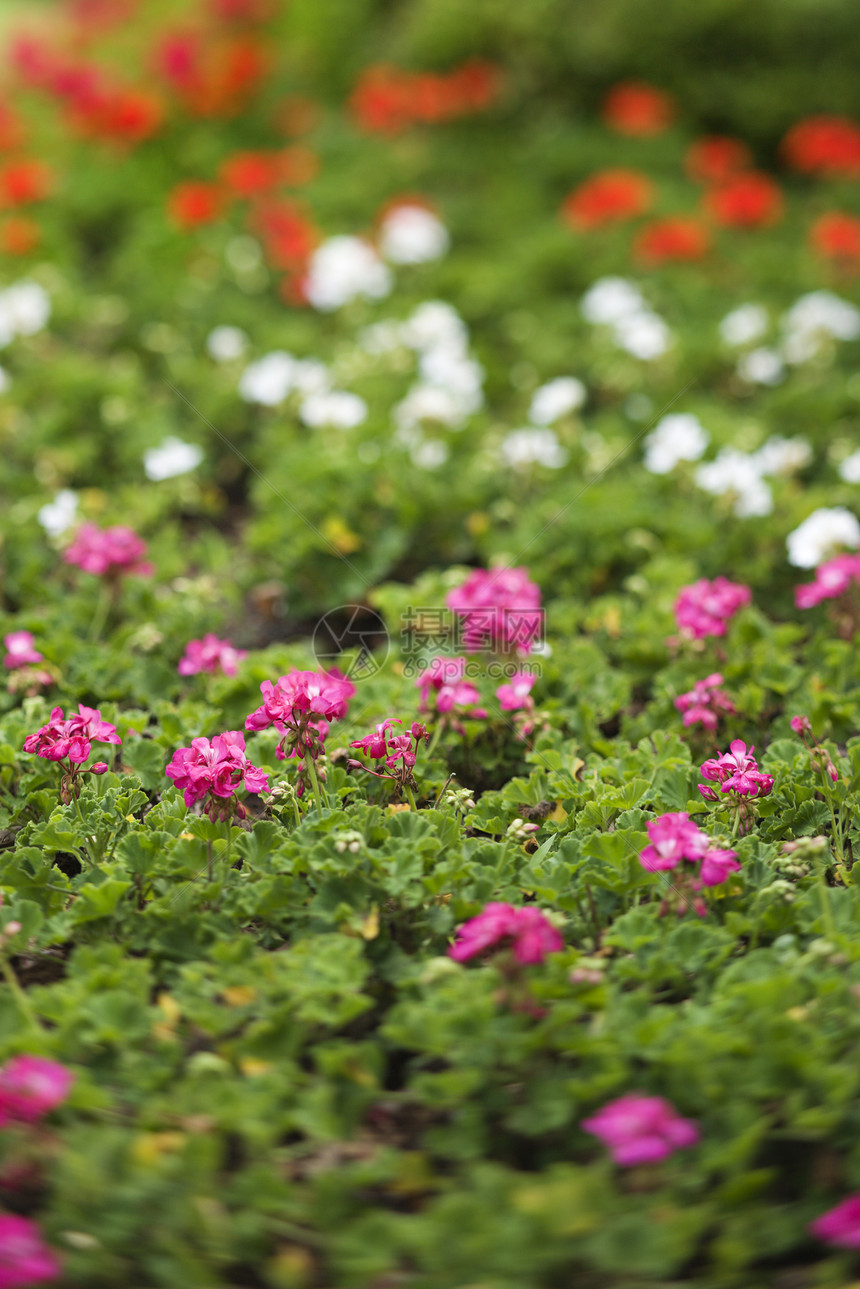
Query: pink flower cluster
213, 771
30, 1087
736, 771
641, 1130
674, 839
832, 579
704, 608
69, 742
515, 695
108, 552
840, 1225
703, 704
500, 609
526, 930
24, 1257
444, 680
212, 655
20, 650
397, 751
302, 703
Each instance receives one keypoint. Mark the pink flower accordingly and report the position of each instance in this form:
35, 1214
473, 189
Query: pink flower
210, 654
832, 579
30, 1087
641, 1130
674, 837
716, 866
840, 1225
531, 935
71, 739
214, 771
108, 552
374, 745
736, 771
318, 693
441, 672
704, 608
703, 703
500, 609
24, 1258
801, 725
444, 678
515, 694
21, 652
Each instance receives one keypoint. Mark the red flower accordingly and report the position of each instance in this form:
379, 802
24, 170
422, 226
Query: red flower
247, 174
750, 200
836, 236
386, 99
194, 203
638, 109
678, 237
715, 158
826, 145
22, 182
608, 197
287, 234
381, 101
19, 235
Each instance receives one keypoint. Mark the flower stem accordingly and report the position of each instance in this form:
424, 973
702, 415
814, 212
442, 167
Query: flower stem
315, 784
103, 604
410, 796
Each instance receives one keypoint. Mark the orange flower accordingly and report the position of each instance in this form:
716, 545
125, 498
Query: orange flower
19, 235
633, 107
194, 203
827, 145
608, 197
836, 236
750, 200
715, 158
22, 182
678, 237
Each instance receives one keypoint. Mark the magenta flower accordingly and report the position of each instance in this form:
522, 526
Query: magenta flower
69, 742
301, 694
673, 838
30, 1087
832, 579
801, 725
440, 673
641, 1130
500, 610
716, 866
24, 1257
840, 1225
704, 608
444, 679
374, 745
515, 694
210, 654
526, 930
213, 771
398, 751
703, 704
736, 771
20, 650
108, 552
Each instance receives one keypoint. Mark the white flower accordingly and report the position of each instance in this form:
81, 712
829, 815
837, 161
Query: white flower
822, 534
761, 367
341, 270
677, 437
334, 407
25, 308
522, 447
849, 470
783, 456
269, 380
430, 455
310, 376
450, 369
58, 516
610, 299
226, 343
412, 235
381, 337
556, 399
173, 457
825, 312
739, 475
643, 334
426, 403
434, 323
746, 323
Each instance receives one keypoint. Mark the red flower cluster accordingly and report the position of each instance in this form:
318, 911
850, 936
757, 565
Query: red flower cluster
748, 200
607, 197
836, 236
716, 158
677, 237
824, 145
635, 108
388, 100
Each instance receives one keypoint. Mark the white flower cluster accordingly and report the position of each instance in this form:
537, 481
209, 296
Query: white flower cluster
171, 458
343, 269
743, 475
277, 375
25, 308
537, 443
680, 436
811, 321
59, 515
822, 534
617, 303
412, 234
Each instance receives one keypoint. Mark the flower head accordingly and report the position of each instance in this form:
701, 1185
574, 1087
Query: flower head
299, 695
607, 198
20, 650
840, 1225
24, 1257
703, 704
635, 108
747, 200
736, 771
704, 608
832, 579
673, 838
30, 1087
515, 694
210, 654
71, 739
500, 609
716, 158
822, 535
214, 771
641, 1130
527, 930
677, 237
107, 552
